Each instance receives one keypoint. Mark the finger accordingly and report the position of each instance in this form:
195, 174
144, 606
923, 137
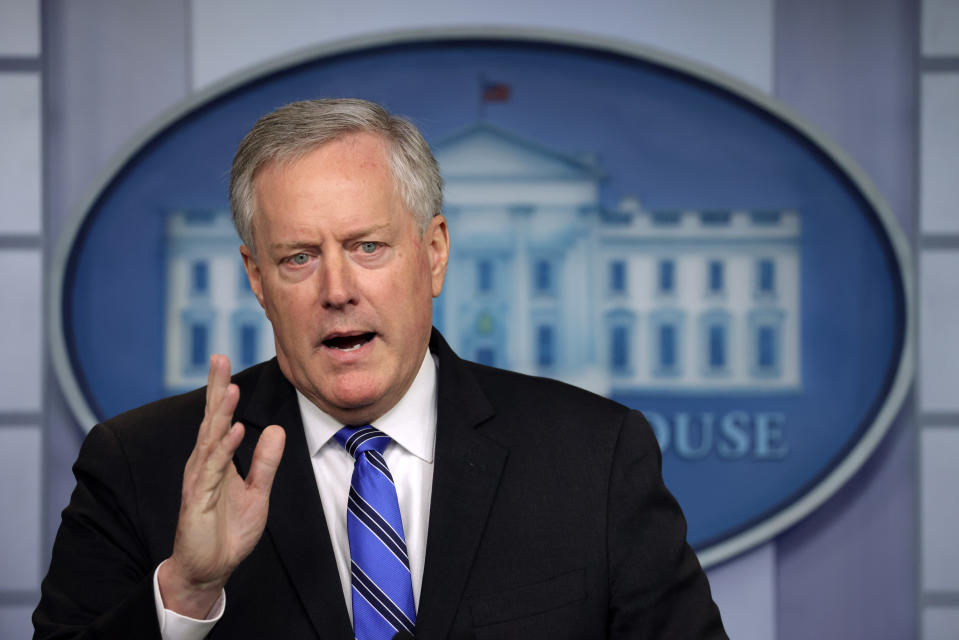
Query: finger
210, 378
218, 419
214, 394
266, 459
222, 455
217, 379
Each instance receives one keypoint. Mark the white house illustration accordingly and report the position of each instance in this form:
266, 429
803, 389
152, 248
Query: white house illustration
543, 279
209, 305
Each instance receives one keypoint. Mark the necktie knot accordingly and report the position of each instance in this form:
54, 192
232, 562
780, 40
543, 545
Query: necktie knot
357, 440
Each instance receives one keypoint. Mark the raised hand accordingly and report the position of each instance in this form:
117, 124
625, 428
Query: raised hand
222, 516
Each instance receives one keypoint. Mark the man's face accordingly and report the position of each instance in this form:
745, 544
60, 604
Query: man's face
344, 276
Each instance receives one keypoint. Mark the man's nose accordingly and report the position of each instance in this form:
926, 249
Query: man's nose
338, 285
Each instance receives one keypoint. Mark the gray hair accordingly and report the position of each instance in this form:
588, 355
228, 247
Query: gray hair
298, 128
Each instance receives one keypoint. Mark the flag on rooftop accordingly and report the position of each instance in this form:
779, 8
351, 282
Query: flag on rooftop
496, 92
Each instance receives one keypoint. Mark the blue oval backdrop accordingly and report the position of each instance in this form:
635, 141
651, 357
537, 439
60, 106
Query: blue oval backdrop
618, 220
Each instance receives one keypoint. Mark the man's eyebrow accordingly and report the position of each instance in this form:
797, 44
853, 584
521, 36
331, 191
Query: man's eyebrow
366, 231
293, 246
352, 235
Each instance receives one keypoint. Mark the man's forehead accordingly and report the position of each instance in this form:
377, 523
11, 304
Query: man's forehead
362, 150
278, 225
277, 167
345, 143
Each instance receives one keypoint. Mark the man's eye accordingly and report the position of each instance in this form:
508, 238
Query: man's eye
300, 259
369, 247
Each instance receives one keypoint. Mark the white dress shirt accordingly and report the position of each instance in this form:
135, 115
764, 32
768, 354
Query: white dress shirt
411, 424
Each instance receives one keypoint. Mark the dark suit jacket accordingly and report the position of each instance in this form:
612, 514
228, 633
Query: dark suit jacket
549, 519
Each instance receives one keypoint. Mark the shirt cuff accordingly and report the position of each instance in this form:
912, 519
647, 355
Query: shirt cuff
173, 626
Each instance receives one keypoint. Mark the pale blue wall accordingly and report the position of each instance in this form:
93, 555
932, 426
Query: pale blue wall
848, 570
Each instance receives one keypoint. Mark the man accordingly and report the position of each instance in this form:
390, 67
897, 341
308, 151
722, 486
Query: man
528, 508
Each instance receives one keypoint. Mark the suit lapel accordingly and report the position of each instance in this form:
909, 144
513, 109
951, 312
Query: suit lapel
466, 473
295, 523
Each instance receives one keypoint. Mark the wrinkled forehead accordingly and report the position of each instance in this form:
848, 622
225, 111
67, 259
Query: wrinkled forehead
342, 160
283, 159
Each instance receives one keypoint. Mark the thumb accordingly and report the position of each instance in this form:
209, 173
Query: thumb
266, 458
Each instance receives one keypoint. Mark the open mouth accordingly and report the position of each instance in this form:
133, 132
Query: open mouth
348, 343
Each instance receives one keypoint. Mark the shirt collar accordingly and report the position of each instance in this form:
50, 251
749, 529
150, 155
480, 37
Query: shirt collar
411, 422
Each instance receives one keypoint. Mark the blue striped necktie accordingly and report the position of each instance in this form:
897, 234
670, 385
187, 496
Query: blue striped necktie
382, 586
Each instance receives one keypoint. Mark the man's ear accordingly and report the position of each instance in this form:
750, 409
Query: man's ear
437, 239
253, 273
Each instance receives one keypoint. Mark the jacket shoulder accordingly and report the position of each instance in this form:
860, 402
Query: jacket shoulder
509, 389
529, 410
